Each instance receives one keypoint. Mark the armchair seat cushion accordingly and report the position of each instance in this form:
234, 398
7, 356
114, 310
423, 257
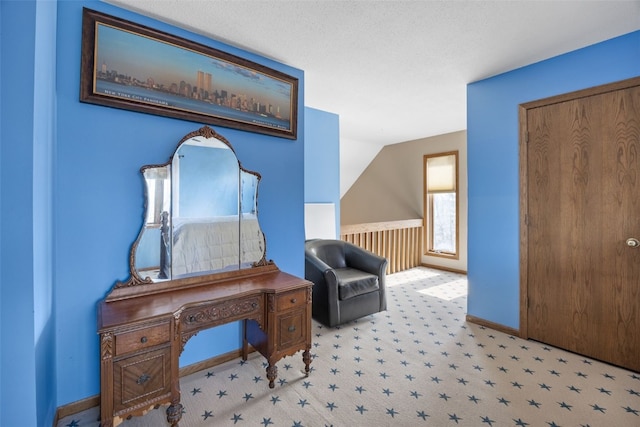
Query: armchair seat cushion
352, 282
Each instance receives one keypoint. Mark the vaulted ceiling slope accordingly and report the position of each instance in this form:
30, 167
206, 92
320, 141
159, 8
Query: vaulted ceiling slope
396, 70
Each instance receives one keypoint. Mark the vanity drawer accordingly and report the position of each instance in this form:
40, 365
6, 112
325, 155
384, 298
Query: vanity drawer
291, 329
141, 378
218, 313
291, 299
142, 338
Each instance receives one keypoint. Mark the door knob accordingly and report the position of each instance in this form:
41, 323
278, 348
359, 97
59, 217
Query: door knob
633, 242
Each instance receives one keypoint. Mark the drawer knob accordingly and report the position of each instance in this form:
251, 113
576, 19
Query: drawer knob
143, 379
294, 300
292, 328
254, 305
143, 340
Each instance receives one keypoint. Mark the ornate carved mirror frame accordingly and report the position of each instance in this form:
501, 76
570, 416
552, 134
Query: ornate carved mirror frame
164, 227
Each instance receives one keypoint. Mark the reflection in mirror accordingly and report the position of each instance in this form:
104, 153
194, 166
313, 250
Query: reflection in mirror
201, 213
205, 208
251, 237
153, 252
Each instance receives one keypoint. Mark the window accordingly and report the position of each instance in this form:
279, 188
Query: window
441, 204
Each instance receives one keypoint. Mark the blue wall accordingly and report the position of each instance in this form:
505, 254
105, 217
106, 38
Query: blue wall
16, 177
492, 138
322, 159
27, 390
71, 204
1, 229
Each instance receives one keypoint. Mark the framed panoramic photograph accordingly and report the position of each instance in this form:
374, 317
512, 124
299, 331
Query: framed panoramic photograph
134, 67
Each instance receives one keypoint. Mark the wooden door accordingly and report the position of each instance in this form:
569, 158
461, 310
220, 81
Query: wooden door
582, 177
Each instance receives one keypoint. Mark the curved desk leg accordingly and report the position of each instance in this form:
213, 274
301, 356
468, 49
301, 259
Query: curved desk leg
306, 358
174, 414
272, 374
245, 341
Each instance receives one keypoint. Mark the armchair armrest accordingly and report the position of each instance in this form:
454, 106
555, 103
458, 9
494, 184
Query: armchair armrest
316, 263
364, 260
314, 270
325, 288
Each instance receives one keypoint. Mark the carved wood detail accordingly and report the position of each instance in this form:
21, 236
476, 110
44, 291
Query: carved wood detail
272, 374
186, 337
219, 312
107, 345
176, 324
144, 407
174, 413
271, 303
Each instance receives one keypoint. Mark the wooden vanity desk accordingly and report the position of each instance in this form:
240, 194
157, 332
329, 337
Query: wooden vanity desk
142, 337
198, 262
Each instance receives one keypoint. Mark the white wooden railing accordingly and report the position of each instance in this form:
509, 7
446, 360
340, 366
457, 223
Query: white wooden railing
400, 242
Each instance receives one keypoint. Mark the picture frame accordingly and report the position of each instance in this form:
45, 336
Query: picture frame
134, 67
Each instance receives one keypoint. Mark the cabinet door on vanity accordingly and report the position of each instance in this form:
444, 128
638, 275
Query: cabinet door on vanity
292, 325
141, 378
141, 367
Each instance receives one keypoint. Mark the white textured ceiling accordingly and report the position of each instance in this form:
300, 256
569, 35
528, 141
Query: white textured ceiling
397, 70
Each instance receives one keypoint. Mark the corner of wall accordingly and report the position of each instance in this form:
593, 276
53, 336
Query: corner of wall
322, 160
